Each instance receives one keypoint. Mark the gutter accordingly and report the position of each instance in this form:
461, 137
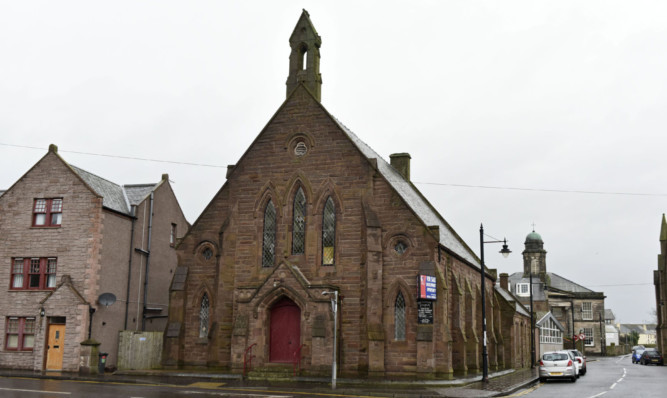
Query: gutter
129, 268
148, 260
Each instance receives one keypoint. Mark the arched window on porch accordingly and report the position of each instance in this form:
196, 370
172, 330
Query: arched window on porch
204, 308
399, 318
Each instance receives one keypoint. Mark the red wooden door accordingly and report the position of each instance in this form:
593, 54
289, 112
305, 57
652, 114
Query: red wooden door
285, 330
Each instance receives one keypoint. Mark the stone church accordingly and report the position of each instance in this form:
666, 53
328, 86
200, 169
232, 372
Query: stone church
311, 212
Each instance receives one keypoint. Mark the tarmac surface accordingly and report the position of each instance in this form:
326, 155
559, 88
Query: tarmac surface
500, 383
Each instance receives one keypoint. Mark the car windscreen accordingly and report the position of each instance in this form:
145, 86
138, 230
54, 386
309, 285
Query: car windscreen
555, 357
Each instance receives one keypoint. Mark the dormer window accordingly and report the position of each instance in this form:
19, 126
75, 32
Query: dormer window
522, 289
47, 213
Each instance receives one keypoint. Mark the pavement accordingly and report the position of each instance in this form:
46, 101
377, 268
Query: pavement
500, 383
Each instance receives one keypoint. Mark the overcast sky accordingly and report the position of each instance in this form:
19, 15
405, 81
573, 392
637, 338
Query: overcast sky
540, 95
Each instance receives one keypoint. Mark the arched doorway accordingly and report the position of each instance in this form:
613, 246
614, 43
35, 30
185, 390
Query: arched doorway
285, 330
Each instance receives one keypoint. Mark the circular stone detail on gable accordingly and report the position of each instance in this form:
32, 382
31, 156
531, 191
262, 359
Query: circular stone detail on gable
300, 149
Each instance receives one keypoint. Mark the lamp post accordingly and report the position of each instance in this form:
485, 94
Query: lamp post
532, 323
505, 252
334, 309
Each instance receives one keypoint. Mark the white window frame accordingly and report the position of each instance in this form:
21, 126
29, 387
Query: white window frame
589, 340
523, 289
587, 311
550, 334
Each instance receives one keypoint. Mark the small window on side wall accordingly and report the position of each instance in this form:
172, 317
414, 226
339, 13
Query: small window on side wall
172, 235
47, 213
204, 309
399, 318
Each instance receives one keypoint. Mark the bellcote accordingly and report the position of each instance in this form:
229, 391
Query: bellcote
304, 60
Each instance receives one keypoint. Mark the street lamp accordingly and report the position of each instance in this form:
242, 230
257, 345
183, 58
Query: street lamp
505, 252
334, 309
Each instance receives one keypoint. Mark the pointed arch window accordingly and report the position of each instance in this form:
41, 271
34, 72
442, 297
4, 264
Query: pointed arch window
269, 236
299, 223
204, 308
328, 232
399, 317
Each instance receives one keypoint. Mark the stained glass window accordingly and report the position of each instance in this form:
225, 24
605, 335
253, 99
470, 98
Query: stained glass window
299, 223
204, 316
328, 232
269, 236
399, 318
400, 247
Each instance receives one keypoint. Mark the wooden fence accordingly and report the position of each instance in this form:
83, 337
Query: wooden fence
139, 350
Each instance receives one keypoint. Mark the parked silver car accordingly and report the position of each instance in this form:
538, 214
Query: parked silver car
558, 365
581, 360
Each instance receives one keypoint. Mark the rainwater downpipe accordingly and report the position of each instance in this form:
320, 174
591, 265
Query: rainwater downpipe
133, 210
148, 261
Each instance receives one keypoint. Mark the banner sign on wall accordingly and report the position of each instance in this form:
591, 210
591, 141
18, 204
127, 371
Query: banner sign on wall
427, 287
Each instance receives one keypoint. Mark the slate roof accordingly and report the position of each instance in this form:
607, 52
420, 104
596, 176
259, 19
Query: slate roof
512, 299
114, 196
136, 193
561, 283
415, 200
609, 314
639, 328
538, 287
112, 193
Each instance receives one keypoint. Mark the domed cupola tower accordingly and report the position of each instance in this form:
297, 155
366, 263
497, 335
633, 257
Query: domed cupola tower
534, 257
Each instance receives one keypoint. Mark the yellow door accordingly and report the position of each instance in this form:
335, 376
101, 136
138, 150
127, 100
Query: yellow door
55, 347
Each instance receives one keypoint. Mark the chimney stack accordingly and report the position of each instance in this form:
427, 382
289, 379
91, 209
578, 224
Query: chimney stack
401, 162
504, 281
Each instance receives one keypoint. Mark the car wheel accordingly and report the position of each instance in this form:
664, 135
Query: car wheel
543, 379
573, 379
583, 373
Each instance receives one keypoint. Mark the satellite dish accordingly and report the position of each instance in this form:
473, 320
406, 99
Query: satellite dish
106, 299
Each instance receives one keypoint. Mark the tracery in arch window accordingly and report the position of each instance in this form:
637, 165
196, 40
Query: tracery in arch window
269, 236
299, 223
399, 318
204, 316
328, 232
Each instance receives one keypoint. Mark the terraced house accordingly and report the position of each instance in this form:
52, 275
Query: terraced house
67, 237
311, 212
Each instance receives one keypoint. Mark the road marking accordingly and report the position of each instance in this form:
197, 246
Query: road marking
524, 392
207, 385
612, 386
36, 391
597, 395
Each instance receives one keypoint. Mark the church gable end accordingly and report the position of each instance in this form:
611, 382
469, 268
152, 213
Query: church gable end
310, 213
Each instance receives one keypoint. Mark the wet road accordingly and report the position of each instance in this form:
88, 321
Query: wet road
607, 378
15, 387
